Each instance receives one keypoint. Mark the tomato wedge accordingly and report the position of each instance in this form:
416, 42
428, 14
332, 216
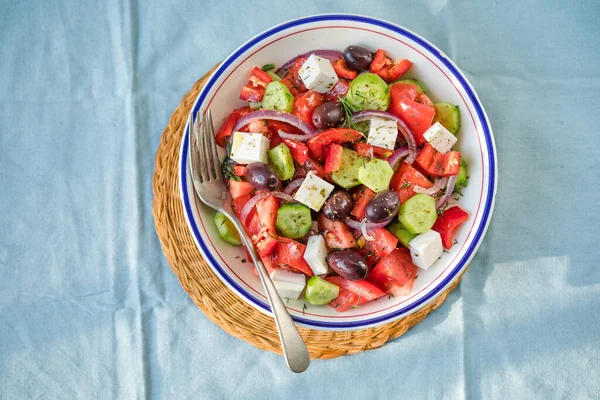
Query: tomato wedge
318, 143
255, 89
395, 273
258, 77
447, 224
267, 211
298, 150
265, 242
305, 104
362, 199
438, 164
239, 188
334, 158
292, 79
403, 104
367, 150
353, 293
385, 242
239, 170
227, 127
406, 178
362, 287
252, 94
289, 253
252, 224
337, 234
339, 90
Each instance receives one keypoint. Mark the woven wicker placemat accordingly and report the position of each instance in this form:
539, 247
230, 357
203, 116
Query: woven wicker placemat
219, 303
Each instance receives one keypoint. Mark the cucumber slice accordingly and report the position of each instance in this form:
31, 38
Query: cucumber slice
400, 231
320, 292
376, 175
226, 230
282, 161
411, 81
273, 75
347, 174
293, 220
418, 214
448, 115
368, 92
462, 178
277, 97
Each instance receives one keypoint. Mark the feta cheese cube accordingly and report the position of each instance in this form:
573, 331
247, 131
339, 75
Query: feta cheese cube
288, 284
383, 133
317, 74
316, 254
440, 138
314, 191
247, 148
426, 248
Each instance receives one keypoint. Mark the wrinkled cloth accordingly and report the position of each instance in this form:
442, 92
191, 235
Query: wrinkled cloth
89, 307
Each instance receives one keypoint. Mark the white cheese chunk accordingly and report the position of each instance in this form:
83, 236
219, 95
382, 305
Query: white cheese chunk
314, 191
426, 248
288, 284
440, 138
247, 148
316, 254
383, 133
317, 74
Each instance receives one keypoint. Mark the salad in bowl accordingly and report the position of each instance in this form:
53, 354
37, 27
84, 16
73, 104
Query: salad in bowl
352, 173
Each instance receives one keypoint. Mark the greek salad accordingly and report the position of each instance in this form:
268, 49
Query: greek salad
341, 169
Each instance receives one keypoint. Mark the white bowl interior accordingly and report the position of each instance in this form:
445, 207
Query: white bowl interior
442, 82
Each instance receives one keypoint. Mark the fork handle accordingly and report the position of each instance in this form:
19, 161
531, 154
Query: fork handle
294, 349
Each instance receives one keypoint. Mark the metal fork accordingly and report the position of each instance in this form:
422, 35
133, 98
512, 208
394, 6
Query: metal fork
210, 187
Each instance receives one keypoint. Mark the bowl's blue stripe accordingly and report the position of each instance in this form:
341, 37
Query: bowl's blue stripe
457, 75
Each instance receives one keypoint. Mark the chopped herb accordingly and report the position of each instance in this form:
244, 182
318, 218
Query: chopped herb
227, 166
268, 67
304, 308
348, 111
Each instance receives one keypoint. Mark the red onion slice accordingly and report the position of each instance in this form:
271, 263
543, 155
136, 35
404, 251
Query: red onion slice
402, 128
276, 116
369, 226
293, 136
397, 156
363, 229
439, 183
449, 189
283, 196
331, 55
293, 185
258, 197
251, 204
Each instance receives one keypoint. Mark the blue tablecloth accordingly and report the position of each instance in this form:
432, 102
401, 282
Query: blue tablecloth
89, 307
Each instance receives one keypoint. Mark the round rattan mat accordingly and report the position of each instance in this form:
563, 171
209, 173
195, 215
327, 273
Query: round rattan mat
219, 303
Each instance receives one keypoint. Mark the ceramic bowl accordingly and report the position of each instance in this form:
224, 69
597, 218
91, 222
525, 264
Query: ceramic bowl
444, 82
